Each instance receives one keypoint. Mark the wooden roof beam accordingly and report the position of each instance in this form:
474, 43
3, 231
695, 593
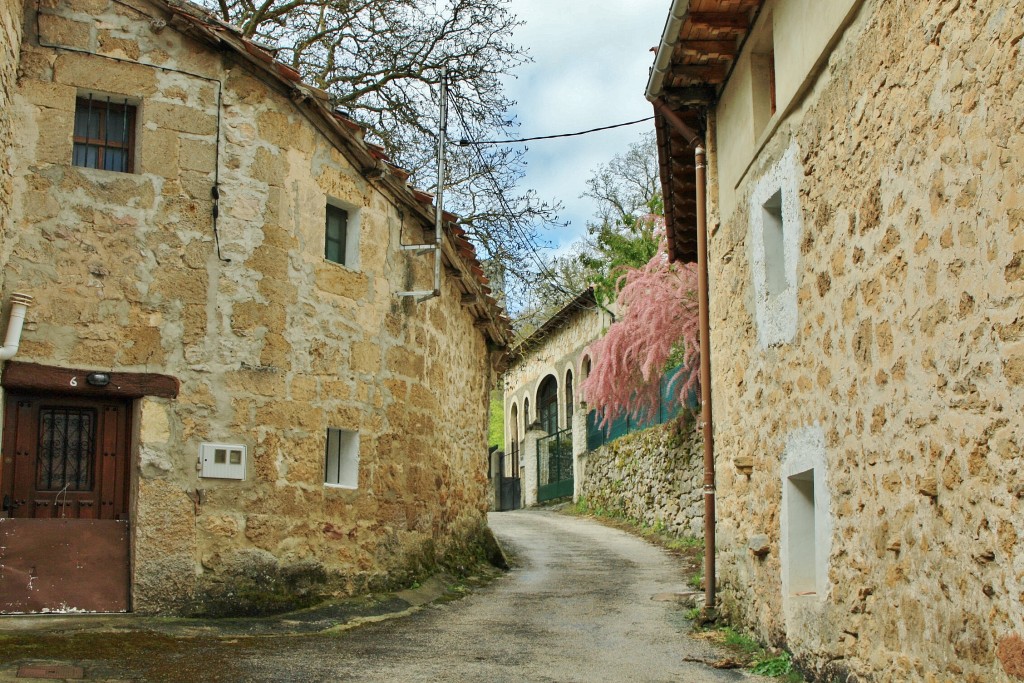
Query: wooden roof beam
712, 49
699, 73
722, 21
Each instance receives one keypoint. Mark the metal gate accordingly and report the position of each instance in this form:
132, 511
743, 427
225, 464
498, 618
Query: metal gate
64, 541
511, 490
554, 466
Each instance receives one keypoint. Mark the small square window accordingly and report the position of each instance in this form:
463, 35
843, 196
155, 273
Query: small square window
336, 235
341, 467
104, 135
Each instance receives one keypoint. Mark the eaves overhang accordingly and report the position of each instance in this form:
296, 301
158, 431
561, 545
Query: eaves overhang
696, 55
348, 136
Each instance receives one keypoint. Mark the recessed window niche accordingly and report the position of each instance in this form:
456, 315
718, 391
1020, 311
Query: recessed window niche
775, 227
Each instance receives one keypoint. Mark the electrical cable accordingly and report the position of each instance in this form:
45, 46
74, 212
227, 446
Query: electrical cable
469, 143
513, 219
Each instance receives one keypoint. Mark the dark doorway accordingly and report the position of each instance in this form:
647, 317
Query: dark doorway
64, 522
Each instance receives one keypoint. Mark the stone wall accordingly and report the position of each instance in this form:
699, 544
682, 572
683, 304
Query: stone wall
557, 352
272, 344
10, 48
906, 360
654, 476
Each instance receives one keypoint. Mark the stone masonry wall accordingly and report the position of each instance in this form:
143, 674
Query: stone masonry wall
272, 343
654, 476
10, 48
559, 351
908, 357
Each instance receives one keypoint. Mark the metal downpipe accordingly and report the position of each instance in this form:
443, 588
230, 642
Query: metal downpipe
705, 379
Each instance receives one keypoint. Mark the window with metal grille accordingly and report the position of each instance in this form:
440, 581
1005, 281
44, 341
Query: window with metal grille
104, 135
336, 235
66, 447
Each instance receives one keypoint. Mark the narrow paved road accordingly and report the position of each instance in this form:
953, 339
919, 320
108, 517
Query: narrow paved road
579, 605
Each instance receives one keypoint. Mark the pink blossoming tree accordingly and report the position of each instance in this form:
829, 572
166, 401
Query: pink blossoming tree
658, 305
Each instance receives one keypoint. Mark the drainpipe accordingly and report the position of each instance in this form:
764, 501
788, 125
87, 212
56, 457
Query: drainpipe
705, 345
19, 304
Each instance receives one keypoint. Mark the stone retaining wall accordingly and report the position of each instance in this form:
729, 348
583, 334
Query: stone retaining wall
653, 476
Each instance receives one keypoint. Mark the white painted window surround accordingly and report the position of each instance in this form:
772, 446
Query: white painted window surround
341, 462
352, 232
806, 517
776, 225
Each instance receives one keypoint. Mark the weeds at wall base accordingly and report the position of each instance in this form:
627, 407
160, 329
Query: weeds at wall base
707, 623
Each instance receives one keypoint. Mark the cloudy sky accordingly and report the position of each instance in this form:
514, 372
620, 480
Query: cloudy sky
591, 61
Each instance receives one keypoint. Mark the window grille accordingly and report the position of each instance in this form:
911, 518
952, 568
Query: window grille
66, 447
104, 135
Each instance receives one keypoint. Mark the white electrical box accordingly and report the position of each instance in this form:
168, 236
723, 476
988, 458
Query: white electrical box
222, 461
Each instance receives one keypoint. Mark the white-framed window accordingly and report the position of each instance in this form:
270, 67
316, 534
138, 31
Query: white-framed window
341, 462
806, 518
776, 225
341, 233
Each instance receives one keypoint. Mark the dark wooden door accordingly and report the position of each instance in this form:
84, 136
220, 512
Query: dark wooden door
64, 538
65, 458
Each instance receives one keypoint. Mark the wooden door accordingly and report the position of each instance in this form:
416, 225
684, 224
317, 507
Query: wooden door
64, 486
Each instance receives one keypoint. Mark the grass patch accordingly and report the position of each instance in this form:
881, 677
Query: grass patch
757, 659
496, 431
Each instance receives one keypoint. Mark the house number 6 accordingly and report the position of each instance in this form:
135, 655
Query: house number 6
74, 381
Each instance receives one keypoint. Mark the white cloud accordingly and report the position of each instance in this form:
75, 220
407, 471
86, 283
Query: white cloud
590, 68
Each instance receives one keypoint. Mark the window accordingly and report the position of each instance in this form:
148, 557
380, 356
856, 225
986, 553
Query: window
806, 520
776, 226
336, 235
802, 566
104, 135
341, 233
547, 404
341, 467
568, 399
774, 252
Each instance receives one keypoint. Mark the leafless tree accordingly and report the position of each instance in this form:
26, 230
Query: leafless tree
381, 61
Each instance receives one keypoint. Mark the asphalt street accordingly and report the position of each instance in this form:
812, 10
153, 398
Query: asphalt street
583, 602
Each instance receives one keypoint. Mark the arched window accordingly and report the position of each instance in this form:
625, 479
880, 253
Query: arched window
547, 404
513, 431
569, 399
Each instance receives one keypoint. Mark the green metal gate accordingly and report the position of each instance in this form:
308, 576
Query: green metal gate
554, 466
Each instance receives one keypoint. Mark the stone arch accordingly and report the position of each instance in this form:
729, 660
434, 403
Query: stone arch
547, 404
513, 427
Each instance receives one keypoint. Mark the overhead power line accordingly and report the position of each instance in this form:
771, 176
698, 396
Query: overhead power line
466, 143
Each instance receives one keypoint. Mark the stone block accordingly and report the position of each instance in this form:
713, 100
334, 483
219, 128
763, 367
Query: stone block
180, 118
57, 30
158, 153
197, 154
49, 95
115, 46
341, 281
94, 73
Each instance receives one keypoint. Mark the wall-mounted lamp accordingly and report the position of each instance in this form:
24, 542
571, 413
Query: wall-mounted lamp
98, 379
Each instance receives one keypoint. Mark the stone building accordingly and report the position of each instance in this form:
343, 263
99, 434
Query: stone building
543, 403
221, 401
867, 321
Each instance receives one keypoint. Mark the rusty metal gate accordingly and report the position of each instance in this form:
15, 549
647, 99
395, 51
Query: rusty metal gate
64, 533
